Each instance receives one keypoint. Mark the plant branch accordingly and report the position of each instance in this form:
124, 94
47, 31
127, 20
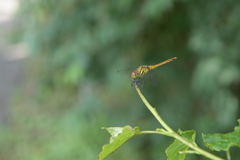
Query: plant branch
172, 133
228, 154
155, 132
189, 152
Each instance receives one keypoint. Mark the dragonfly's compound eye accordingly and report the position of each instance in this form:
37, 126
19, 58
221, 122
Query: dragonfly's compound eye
133, 75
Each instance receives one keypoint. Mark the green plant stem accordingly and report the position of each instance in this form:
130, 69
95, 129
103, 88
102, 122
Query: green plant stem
154, 132
189, 152
172, 133
228, 154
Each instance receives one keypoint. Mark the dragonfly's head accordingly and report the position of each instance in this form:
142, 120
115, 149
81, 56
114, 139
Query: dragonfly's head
134, 75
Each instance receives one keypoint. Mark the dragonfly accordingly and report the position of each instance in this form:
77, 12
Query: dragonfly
139, 72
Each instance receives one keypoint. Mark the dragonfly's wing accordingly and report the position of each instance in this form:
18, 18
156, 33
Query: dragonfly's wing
153, 77
127, 70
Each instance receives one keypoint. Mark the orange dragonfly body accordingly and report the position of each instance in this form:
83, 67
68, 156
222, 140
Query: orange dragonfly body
137, 75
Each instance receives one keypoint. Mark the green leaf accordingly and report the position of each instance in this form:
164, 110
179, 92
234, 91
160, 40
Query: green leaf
219, 141
73, 73
237, 128
119, 135
154, 8
173, 150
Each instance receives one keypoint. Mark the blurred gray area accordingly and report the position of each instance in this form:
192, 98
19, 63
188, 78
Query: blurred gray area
11, 57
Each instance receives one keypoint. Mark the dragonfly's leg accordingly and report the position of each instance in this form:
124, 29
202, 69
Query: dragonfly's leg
133, 82
136, 81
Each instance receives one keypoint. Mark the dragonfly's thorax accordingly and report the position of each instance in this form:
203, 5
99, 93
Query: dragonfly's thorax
140, 71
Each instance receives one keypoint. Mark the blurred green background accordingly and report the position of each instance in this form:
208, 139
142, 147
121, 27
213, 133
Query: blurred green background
72, 87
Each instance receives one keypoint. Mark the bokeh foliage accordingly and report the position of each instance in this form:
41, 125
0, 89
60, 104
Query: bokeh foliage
72, 88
